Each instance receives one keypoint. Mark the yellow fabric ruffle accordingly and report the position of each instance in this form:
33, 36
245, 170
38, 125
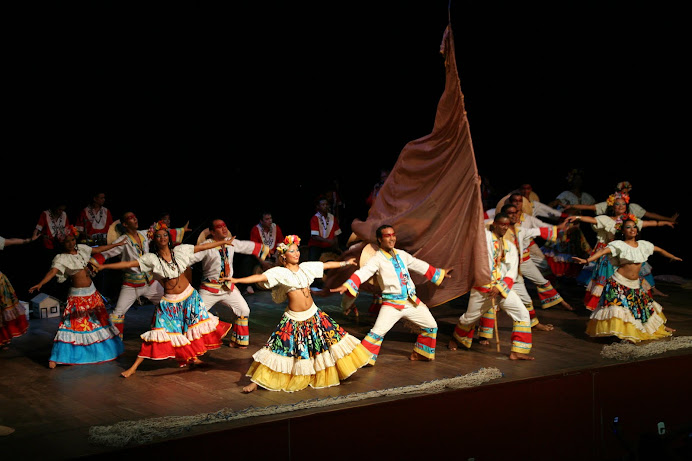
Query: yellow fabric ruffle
615, 326
331, 376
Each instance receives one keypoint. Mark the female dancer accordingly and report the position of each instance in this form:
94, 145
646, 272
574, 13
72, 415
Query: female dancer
13, 321
182, 328
85, 334
626, 309
604, 226
307, 348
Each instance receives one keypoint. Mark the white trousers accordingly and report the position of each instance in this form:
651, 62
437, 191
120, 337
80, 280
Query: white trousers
231, 299
128, 295
481, 302
388, 316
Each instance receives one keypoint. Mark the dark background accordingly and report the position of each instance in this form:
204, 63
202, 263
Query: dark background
226, 111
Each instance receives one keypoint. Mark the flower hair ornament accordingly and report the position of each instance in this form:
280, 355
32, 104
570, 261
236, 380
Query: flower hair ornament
288, 241
615, 196
69, 230
621, 220
156, 227
624, 185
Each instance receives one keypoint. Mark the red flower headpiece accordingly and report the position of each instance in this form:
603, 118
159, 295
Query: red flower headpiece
625, 217
288, 241
617, 195
156, 227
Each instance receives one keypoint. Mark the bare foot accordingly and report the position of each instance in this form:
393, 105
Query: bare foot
541, 327
566, 305
517, 356
452, 345
415, 356
669, 329
127, 373
52, 364
250, 387
484, 342
236, 345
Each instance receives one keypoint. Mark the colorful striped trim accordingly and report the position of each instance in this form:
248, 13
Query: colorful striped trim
372, 343
426, 342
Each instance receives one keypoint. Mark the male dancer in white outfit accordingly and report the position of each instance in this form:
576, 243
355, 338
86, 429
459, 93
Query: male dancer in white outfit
217, 264
399, 298
135, 282
504, 264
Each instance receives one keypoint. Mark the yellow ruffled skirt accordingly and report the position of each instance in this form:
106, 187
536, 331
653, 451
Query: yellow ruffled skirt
307, 349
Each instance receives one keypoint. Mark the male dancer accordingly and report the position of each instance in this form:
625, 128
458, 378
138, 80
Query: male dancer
530, 264
504, 264
399, 298
217, 264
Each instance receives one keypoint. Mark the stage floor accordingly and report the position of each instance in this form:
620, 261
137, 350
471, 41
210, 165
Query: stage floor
53, 410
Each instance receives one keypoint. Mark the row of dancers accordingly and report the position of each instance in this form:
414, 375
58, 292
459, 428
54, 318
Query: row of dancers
308, 348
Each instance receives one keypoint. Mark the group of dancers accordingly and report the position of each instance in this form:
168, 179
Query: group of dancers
309, 348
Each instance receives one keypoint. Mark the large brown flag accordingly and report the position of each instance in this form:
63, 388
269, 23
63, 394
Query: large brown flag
432, 199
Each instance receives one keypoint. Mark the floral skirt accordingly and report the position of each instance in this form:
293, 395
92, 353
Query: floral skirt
559, 254
628, 311
182, 329
307, 349
13, 322
85, 334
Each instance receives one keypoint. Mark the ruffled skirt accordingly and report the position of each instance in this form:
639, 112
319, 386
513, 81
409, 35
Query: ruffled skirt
182, 329
628, 311
307, 349
559, 253
13, 322
85, 334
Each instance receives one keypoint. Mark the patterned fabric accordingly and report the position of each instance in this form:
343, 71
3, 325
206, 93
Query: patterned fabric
627, 310
13, 322
85, 334
307, 349
182, 329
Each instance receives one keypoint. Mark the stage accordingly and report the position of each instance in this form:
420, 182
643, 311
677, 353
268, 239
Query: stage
562, 405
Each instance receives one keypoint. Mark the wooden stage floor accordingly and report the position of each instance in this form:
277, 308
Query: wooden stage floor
53, 410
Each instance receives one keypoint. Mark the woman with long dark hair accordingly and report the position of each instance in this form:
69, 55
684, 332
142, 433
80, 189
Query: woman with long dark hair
182, 328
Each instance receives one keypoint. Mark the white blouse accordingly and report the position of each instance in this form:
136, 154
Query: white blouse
605, 228
161, 269
622, 253
69, 264
282, 280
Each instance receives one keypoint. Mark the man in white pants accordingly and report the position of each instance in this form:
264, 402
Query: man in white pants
504, 264
135, 283
399, 299
217, 264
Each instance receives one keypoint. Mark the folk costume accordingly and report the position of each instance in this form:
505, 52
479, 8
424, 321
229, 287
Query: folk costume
504, 265
269, 238
13, 321
626, 309
135, 282
52, 228
323, 226
307, 348
602, 269
520, 237
398, 298
217, 263
182, 328
528, 229
85, 334
93, 224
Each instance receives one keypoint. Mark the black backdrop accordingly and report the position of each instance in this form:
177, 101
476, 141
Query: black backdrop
228, 111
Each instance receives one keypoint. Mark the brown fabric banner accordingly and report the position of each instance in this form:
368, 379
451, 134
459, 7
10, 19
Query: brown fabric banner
432, 199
